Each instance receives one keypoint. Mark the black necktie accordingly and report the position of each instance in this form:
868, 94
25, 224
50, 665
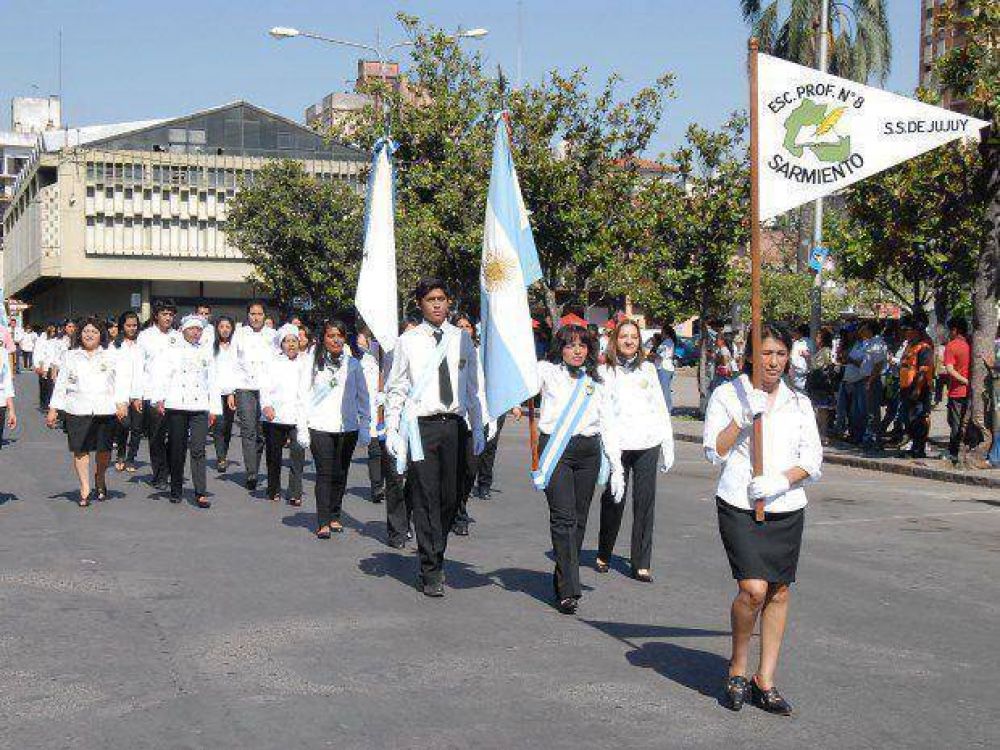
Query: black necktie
444, 378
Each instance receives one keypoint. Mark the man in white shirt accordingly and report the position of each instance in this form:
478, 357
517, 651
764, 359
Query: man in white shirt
203, 311
153, 343
28, 339
254, 349
432, 386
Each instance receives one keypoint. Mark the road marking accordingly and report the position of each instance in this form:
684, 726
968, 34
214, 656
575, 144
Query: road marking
906, 517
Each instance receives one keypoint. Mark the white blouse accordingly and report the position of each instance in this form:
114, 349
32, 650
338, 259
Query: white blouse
87, 383
226, 377
153, 342
279, 388
185, 380
640, 412
790, 439
254, 350
335, 399
130, 367
6, 382
556, 386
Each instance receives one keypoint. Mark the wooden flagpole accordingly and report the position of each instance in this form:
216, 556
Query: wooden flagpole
757, 445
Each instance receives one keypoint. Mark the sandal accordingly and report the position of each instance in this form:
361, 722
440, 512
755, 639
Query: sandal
642, 575
84, 500
336, 527
600, 566
295, 502
130, 468
276, 499
101, 494
203, 502
119, 466
323, 532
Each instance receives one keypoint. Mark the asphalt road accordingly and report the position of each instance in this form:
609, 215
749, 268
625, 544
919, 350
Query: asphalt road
140, 624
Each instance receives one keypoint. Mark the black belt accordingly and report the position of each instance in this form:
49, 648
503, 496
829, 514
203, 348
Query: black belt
440, 418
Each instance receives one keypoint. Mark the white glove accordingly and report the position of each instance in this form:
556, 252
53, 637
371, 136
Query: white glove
768, 485
392, 442
756, 403
666, 458
302, 437
478, 442
617, 483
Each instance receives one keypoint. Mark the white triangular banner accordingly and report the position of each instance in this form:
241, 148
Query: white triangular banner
820, 133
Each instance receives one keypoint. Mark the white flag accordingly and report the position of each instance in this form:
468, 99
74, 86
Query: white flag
820, 133
376, 298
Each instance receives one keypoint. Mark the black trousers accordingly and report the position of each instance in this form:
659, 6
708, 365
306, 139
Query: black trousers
156, 436
128, 435
26, 360
433, 484
187, 430
918, 422
222, 433
275, 438
45, 387
251, 435
957, 407
570, 492
383, 477
640, 473
467, 471
331, 453
484, 467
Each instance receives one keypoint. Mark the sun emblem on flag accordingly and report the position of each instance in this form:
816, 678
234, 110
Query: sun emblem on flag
498, 270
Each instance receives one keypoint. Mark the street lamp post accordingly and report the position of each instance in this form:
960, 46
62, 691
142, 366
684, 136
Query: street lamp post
381, 53
816, 306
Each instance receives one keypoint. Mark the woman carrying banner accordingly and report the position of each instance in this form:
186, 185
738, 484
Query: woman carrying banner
333, 417
578, 440
646, 438
764, 555
88, 392
186, 397
225, 382
279, 401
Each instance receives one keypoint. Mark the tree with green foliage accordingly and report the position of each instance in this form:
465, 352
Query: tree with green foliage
971, 72
860, 42
302, 236
690, 228
575, 153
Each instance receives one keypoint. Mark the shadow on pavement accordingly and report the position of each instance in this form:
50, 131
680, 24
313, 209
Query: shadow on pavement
693, 668
398, 565
7, 497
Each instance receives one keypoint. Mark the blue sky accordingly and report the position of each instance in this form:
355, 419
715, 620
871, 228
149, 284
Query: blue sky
137, 60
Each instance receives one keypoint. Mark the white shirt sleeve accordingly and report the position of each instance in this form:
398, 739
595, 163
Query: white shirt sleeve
717, 418
397, 386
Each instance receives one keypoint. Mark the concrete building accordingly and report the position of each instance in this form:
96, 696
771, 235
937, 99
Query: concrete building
335, 107
933, 44
109, 217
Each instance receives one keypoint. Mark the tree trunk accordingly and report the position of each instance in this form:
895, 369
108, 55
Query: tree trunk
979, 432
552, 307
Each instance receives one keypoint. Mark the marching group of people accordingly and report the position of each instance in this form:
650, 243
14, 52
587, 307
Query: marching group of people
420, 412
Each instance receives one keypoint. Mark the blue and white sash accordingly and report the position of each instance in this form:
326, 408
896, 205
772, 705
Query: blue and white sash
409, 429
565, 427
321, 391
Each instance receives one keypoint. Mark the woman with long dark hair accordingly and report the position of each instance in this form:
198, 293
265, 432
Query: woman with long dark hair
225, 381
130, 419
764, 555
645, 441
577, 439
334, 417
89, 394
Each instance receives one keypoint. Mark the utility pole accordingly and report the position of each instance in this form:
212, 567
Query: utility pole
816, 295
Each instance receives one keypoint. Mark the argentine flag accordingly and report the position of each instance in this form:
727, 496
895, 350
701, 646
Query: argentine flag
376, 298
509, 266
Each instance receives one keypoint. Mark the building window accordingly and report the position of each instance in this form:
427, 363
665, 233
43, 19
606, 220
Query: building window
91, 172
197, 137
286, 140
177, 135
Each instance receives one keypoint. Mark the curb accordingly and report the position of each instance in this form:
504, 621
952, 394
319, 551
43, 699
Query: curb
873, 464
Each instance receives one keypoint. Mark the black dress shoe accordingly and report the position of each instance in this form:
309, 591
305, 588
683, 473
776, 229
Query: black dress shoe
769, 700
568, 606
434, 589
737, 692
378, 498
460, 529
175, 499
485, 493
251, 485
397, 543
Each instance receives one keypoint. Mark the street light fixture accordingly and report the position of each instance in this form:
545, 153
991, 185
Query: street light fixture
283, 32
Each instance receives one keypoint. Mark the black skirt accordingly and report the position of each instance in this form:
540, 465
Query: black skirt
766, 551
87, 433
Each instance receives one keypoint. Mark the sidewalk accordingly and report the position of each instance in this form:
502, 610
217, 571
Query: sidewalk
688, 427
